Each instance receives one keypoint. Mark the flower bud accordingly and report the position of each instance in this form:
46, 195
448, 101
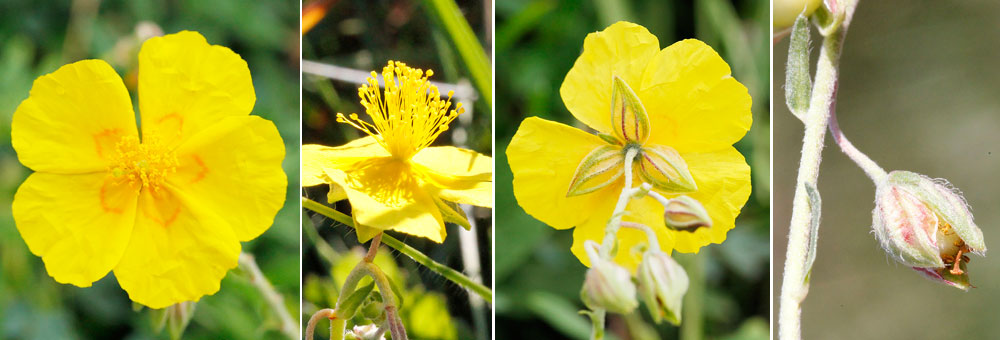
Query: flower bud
609, 286
364, 332
684, 213
785, 11
662, 284
926, 225
373, 309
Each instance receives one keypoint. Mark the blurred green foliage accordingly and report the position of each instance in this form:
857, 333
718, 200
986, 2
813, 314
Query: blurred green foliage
36, 37
918, 92
364, 35
538, 279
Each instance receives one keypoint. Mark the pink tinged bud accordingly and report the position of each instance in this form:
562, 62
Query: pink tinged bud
662, 285
684, 213
609, 286
926, 225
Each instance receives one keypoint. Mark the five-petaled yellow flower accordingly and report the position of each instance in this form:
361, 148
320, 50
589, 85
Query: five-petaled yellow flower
166, 210
696, 111
392, 177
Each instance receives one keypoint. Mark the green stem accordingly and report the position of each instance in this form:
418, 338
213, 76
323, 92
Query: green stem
794, 287
460, 34
274, 300
693, 322
413, 253
611, 230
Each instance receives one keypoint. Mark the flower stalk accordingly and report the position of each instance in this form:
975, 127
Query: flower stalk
277, 303
794, 287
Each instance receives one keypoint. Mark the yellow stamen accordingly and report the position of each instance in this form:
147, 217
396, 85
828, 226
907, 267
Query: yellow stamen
142, 165
409, 116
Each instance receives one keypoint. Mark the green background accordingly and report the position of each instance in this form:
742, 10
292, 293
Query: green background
538, 279
918, 92
36, 37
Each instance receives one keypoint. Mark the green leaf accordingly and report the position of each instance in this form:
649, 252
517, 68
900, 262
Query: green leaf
798, 84
349, 307
814, 209
473, 56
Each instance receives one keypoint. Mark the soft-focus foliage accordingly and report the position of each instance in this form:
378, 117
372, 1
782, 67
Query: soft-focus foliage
538, 280
39, 37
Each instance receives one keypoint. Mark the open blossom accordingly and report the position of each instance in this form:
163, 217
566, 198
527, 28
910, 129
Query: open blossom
926, 225
393, 178
678, 108
165, 210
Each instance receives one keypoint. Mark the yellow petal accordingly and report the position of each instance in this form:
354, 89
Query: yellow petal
186, 85
315, 157
693, 102
543, 156
723, 179
73, 119
385, 194
623, 49
234, 167
178, 251
646, 211
78, 224
458, 175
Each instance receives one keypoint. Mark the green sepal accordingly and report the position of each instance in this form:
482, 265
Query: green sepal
663, 167
629, 120
609, 139
452, 213
598, 169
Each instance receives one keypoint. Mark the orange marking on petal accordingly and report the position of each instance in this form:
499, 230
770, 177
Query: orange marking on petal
166, 209
202, 172
105, 140
171, 122
104, 199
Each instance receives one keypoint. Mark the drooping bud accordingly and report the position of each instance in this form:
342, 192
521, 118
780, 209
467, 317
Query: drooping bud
684, 213
629, 120
599, 168
927, 225
609, 286
663, 167
373, 309
662, 285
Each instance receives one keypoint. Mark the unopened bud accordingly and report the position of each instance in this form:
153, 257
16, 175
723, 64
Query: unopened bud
609, 286
662, 284
926, 225
365, 332
373, 309
684, 213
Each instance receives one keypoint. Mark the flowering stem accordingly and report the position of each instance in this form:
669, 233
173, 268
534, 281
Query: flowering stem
611, 230
693, 324
416, 255
277, 303
794, 286
650, 234
875, 172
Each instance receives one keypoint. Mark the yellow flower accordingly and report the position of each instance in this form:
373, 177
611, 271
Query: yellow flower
696, 111
167, 211
392, 177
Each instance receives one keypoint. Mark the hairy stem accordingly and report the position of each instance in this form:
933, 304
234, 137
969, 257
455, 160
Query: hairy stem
274, 300
413, 253
875, 172
794, 286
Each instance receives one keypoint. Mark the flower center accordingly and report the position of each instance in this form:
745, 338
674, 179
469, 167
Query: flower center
142, 165
409, 116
